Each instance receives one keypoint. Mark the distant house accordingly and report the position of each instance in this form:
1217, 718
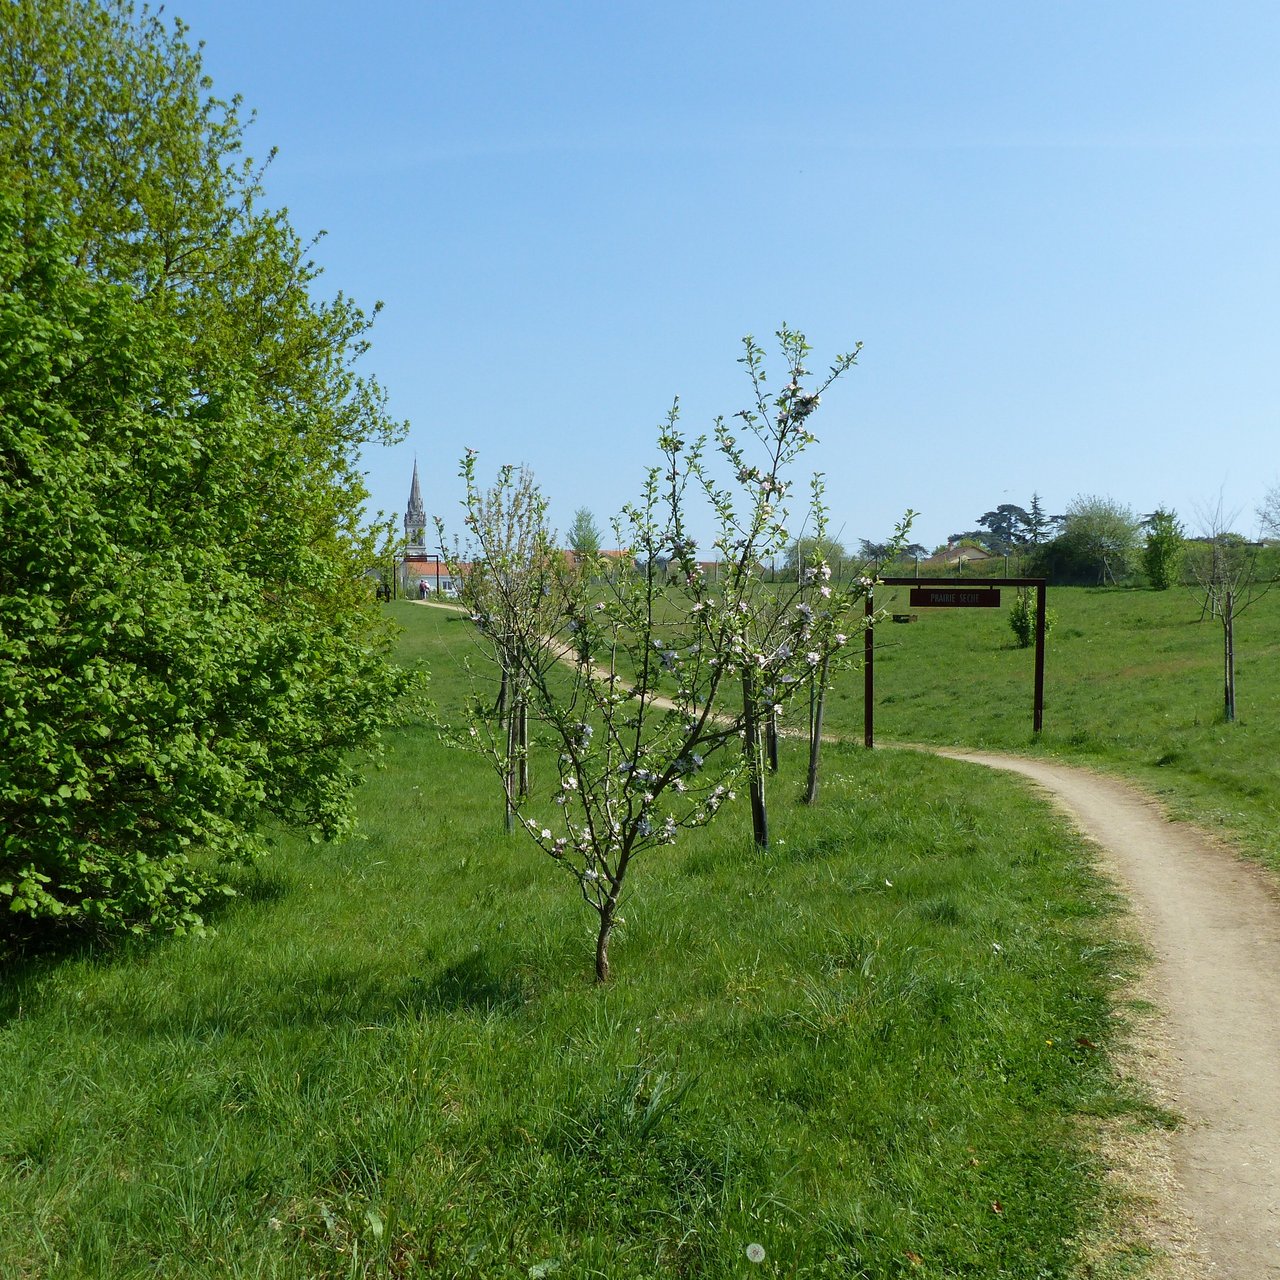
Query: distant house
955, 556
424, 578
613, 559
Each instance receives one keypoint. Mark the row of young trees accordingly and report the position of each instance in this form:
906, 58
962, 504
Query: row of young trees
655, 684
188, 651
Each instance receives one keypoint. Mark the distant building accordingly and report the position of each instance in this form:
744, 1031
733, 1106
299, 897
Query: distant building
956, 556
612, 559
419, 565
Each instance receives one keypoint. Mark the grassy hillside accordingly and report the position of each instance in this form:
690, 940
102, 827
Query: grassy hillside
1133, 683
876, 1050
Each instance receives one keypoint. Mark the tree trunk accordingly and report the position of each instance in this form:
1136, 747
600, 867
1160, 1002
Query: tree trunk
771, 740
602, 943
507, 723
522, 744
509, 772
755, 764
817, 703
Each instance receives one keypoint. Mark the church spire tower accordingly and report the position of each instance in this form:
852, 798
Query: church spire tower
415, 517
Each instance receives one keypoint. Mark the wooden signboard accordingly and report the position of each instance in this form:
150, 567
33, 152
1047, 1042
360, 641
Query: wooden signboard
949, 593
954, 598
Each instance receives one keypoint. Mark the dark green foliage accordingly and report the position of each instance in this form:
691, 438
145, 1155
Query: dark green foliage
186, 646
1098, 543
1007, 528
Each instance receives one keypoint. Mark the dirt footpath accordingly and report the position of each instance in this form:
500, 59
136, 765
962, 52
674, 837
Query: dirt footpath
1212, 922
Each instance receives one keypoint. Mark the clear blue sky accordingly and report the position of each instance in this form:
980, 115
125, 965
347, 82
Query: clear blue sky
1054, 226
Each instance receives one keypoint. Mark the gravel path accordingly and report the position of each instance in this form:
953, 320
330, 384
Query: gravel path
1212, 922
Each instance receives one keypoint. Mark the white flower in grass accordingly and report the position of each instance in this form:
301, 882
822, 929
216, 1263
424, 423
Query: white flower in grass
546, 835
755, 1252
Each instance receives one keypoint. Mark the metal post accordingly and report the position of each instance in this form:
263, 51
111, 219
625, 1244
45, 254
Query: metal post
868, 673
1037, 715
1229, 656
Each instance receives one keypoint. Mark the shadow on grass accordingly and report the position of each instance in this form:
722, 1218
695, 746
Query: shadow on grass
305, 997
31, 951
29, 965
470, 984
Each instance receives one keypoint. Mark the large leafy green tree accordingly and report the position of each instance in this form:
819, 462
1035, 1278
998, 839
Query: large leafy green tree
1007, 528
808, 549
187, 649
1099, 543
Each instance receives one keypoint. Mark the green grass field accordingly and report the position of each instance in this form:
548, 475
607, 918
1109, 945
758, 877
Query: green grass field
878, 1049
1133, 684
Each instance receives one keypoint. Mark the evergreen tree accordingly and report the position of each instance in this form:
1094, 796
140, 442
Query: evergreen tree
584, 534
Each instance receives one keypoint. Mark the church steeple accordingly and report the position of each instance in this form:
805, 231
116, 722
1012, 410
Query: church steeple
415, 516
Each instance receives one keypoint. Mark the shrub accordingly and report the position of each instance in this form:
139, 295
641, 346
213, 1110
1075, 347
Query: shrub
1165, 550
1022, 619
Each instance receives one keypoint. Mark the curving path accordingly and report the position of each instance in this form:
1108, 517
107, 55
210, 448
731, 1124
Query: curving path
1212, 922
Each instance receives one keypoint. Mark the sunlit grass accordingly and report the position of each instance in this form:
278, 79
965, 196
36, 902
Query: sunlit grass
868, 1050
1133, 683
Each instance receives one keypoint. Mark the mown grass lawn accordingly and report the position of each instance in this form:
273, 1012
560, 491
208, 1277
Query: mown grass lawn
875, 1050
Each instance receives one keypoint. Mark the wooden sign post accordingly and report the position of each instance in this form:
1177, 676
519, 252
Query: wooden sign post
948, 593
